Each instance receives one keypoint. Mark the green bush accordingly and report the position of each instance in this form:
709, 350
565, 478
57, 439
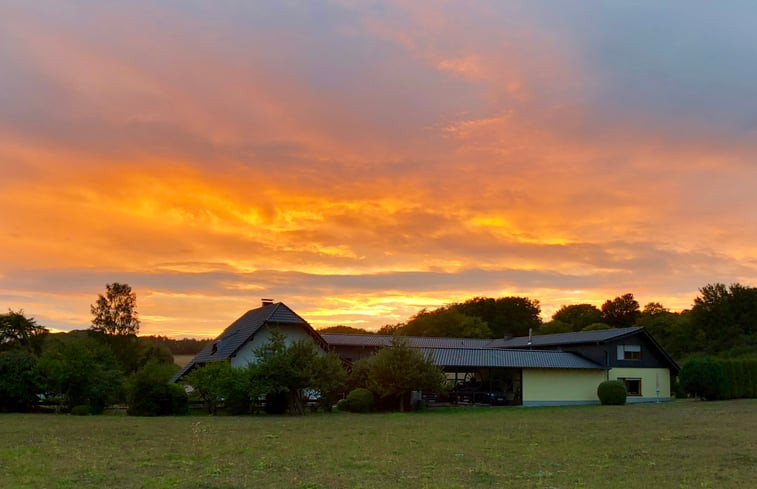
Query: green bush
704, 378
148, 392
179, 399
359, 400
612, 392
81, 410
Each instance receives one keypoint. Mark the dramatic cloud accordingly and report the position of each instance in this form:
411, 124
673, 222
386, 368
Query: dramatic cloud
360, 162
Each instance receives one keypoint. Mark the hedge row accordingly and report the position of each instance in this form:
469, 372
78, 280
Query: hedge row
711, 378
740, 378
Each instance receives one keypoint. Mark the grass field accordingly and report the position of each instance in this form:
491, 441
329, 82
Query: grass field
683, 444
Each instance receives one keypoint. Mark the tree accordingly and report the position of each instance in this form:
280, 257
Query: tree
555, 326
217, 381
512, 316
725, 317
18, 386
329, 379
621, 312
82, 372
18, 331
391, 329
578, 316
446, 322
290, 370
597, 327
392, 373
654, 309
115, 313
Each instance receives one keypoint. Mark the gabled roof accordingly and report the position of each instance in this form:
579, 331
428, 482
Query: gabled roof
489, 357
382, 341
243, 329
585, 337
598, 336
521, 342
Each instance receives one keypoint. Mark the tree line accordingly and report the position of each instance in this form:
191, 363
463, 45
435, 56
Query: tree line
722, 321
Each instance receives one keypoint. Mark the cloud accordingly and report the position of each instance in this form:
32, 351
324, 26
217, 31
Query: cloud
382, 159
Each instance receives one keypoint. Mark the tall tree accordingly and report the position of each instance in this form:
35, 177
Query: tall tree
115, 313
446, 322
19, 331
724, 318
621, 312
512, 316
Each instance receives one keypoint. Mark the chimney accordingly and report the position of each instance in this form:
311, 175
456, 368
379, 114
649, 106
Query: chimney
266, 302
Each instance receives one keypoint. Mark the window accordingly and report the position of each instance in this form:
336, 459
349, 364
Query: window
633, 386
629, 352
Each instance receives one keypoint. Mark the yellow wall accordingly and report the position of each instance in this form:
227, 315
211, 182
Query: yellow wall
649, 378
561, 386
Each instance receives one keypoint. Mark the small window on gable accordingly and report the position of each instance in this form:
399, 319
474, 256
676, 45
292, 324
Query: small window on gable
629, 352
633, 386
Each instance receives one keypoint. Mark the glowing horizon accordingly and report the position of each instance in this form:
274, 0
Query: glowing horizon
359, 163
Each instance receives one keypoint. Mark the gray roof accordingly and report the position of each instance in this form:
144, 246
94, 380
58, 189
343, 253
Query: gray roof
242, 330
492, 357
381, 341
599, 336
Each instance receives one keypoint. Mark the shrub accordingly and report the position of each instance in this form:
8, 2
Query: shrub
80, 410
179, 399
148, 392
612, 392
704, 378
359, 400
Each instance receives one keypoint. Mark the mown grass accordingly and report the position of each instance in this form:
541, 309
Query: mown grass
682, 444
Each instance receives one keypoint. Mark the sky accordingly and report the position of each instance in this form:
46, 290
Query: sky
359, 161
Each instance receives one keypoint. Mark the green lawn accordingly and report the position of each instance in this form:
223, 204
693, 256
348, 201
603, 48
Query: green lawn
670, 445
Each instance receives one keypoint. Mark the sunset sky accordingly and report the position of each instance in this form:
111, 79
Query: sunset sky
362, 160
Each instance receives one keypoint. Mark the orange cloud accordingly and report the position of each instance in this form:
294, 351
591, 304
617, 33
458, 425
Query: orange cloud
211, 165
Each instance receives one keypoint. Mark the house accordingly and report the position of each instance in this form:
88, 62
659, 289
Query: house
237, 343
546, 370
630, 355
542, 370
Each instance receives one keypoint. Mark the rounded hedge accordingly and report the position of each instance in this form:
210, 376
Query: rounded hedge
612, 392
359, 400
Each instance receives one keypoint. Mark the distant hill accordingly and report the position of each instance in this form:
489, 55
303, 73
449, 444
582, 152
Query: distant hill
344, 330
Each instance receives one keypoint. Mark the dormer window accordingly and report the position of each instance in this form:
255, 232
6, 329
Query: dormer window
629, 352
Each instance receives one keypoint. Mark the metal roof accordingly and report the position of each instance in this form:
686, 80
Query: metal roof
242, 330
381, 341
493, 357
599, 336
